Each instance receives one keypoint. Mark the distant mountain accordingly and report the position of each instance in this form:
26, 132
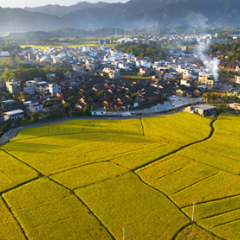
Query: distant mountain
115, 13
134, 13
155, 12
62, 33
63, 10
194, 12
19, 20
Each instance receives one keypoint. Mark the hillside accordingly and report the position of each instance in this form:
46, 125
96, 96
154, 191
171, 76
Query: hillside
62, 33
92, 178
63, 10
16, 19
134, 13
153, 12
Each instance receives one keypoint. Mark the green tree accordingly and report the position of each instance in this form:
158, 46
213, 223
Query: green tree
213, 116
67, 106
87, 111
12, 57
133, 96
34, 117
72, 99
21, 96
100, 93
225, 98
49, 104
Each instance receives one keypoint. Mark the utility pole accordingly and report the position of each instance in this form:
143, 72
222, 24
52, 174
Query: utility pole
193, 211
123, 233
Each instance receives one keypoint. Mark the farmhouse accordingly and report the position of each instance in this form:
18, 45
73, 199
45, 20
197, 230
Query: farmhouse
98, 111
235, 106
202, 109
13, 115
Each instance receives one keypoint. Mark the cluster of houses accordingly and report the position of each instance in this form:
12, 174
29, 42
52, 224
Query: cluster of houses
97, 80
206, 38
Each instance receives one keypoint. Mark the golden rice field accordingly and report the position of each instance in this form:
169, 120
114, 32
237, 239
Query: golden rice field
90, 179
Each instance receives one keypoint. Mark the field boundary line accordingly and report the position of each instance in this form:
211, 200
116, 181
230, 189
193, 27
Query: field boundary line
19, 185
39, 173
212, 200
80, 200
211, 153
108, 158
206, 230
218, 214
201, 180
179, 169
179, 149
145, 183
175, 206
195, 224
15, 218
229, 222
101, 181
181, 229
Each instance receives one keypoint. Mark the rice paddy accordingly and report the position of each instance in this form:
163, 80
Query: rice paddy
90, 179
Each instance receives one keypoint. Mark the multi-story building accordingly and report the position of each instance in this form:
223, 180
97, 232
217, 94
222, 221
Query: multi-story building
54, 89
207, 80
30, 87
35, 107
2, 84
115, 74
13, 86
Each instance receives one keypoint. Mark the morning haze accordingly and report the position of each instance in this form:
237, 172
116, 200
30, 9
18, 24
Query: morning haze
119, 120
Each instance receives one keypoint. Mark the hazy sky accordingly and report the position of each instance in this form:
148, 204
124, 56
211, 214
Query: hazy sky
33, 3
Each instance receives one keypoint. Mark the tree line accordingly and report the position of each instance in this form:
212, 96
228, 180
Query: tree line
25, 74
9, 45
233, 49
143, 49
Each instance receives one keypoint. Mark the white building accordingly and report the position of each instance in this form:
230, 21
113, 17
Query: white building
13, 86
41, 84
4, 54
98, 111
86, 49
13, 115
54, 89
35, 107
30, 87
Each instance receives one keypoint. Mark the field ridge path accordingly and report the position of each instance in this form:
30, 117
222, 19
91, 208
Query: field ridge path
80, 200
179, 149
180, 209
15, 218
39, 173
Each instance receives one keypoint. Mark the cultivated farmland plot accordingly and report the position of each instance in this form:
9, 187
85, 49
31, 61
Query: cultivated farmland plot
90, 179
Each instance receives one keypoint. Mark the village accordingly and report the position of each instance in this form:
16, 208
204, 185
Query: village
104, 81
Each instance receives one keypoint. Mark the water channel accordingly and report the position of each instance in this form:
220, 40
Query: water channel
159, 105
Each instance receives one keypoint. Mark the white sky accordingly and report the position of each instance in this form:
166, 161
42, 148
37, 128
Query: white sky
34, 3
